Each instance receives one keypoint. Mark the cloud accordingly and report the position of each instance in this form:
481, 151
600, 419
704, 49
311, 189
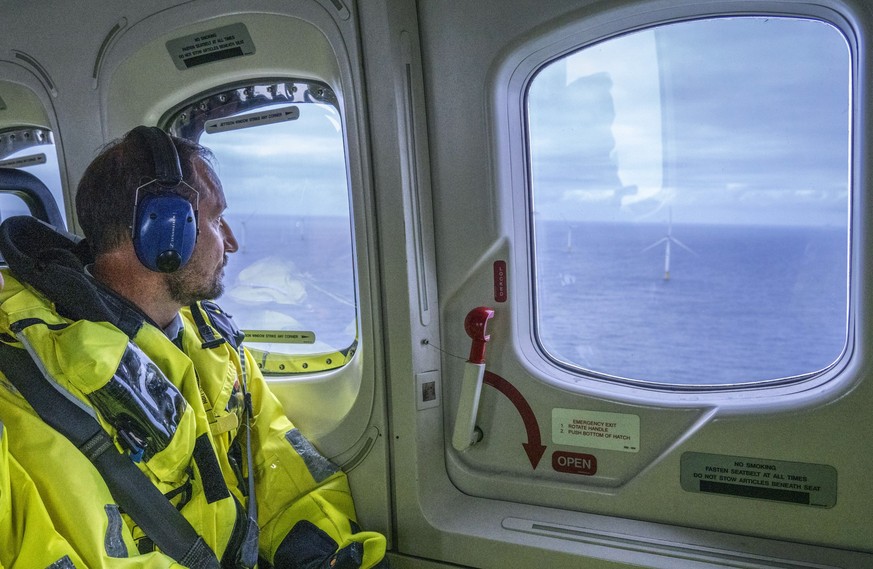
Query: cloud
743, 118
296, 167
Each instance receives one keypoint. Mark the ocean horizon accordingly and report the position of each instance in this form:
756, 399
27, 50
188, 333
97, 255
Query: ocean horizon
745, 304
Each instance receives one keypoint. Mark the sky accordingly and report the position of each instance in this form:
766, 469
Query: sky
730, 120
290, 168
293, 168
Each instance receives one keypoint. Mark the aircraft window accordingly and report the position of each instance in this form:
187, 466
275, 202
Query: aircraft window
32, 150
11, 205
281, 159
690, 196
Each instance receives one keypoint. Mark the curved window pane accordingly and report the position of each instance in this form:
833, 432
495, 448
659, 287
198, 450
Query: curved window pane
281, 159
690, 190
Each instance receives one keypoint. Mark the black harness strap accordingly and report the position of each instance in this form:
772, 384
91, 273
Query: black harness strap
214, 487
246, 529
135, 493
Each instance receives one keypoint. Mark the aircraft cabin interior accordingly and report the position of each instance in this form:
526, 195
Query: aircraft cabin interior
557, 283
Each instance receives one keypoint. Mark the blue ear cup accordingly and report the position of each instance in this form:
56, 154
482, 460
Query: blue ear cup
165, 231
164, 226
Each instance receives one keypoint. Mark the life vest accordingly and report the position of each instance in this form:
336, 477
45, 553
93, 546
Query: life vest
180, 421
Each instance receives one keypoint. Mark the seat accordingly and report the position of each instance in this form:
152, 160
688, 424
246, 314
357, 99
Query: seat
33, 193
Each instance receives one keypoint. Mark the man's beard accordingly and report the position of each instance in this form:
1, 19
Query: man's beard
187, 287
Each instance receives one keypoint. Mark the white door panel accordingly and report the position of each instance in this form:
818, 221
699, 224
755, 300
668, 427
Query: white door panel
650, 477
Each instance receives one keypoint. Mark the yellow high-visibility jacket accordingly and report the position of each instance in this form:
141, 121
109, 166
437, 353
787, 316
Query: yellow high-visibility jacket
25, 525
194, 394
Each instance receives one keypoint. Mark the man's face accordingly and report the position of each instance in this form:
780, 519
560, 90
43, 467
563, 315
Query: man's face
201, 278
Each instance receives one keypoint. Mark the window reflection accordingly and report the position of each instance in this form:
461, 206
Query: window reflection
690, 193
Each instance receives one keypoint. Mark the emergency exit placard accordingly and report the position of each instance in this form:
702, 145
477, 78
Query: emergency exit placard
596, 429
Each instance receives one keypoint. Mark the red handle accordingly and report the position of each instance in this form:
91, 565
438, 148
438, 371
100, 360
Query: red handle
474, 324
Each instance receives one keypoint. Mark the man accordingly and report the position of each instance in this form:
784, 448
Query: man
162, 370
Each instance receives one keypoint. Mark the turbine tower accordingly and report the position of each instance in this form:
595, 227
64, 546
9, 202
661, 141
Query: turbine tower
668, 240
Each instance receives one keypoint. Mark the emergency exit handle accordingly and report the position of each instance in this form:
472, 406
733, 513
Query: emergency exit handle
471, 387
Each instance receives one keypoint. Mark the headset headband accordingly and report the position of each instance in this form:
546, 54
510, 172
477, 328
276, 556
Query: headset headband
168, 171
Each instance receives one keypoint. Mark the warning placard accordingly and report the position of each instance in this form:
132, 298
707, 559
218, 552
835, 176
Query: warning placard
777, 480
252, 119
23, 161
596, 429
211, 45
280, 336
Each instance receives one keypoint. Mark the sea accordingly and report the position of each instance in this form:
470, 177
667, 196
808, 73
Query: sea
293, 273
742, 304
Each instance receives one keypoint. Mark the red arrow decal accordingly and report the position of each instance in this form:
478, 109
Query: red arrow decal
534, 446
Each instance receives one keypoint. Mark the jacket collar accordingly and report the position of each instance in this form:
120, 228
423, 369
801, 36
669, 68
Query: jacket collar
53, 262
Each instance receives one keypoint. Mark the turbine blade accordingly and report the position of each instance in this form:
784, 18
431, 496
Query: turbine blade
655, 244
683, 245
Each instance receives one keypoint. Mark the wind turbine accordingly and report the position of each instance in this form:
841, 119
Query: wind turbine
669, 240
569, 248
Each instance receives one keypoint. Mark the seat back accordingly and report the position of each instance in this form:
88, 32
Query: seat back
33, 193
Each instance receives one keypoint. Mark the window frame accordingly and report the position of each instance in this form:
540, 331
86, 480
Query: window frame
306, 365
36, 140
511, 84
537, 288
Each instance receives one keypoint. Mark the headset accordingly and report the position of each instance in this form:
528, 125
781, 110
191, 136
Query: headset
164, 228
